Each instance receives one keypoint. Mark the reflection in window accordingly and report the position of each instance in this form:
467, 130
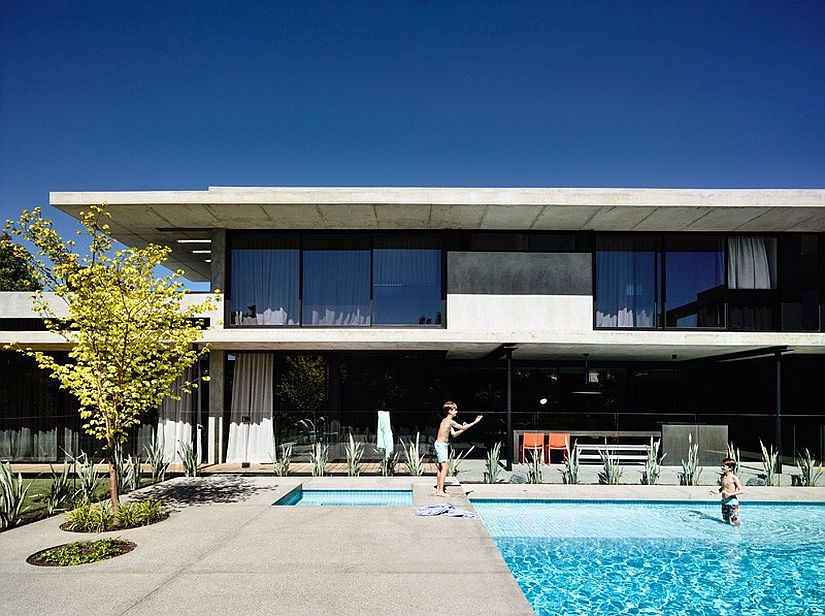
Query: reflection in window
406, 280
264, 280
336, 280
694, 281
625, 281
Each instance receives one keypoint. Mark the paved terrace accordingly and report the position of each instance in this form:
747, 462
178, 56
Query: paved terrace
226, 550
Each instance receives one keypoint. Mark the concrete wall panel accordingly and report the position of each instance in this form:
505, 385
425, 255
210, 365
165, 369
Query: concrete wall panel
519, 273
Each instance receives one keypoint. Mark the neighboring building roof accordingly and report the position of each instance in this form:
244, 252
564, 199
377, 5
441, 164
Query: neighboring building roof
166, 216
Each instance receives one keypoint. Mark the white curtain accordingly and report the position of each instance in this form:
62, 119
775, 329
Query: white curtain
625, 283
265, 287
250, 415
751, 263
175, 419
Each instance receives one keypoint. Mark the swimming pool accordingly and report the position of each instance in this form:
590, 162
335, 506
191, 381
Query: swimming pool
339, 498
662, 558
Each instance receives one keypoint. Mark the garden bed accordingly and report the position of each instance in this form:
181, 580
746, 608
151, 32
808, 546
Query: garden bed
81, 553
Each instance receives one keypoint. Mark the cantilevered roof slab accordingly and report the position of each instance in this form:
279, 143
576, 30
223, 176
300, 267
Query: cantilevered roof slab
164, 217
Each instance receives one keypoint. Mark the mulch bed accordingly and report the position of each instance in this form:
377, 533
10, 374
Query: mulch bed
114, 527
86, 547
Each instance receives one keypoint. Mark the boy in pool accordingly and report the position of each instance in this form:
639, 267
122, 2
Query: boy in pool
729, 488
447, 428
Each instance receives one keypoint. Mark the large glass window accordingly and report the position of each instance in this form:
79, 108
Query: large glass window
406, 280
625, 281
694, 281
336, 280
264, 280
751, 283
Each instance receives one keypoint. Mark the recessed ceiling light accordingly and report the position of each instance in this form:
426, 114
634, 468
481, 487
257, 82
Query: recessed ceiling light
207, 260
201, 252
194, 241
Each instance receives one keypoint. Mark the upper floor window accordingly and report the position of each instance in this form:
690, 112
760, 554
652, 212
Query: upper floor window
625, 281
335, 279
694, 274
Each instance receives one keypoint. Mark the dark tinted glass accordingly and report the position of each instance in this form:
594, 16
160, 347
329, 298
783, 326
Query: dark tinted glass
264, 279
625, 281
406, 280
336, 280
694, 281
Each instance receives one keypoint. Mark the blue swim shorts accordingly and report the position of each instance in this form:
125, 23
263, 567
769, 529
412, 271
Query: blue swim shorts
441, 451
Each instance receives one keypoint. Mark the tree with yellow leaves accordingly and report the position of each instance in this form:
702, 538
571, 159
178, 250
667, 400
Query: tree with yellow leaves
130, 332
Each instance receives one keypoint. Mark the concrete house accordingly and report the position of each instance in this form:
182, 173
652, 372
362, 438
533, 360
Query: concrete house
602, 313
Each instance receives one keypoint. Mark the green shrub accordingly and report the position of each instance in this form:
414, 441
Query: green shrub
770, 465
611, 471
281, 465
59, 490
187, 456
491, 465
534, 472
12, 496
154, 456
318, 458
570, 472
90, 518
454, 460
140, 513
389, 464
83, 552
690, 468
414, 460
653, 464
354, 452
809, 469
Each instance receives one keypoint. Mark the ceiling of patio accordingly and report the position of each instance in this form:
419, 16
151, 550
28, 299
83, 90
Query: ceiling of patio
164, 217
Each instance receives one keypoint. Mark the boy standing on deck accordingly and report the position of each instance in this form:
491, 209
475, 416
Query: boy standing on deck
447, 428
729, 488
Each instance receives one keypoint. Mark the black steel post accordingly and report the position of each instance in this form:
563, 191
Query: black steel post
510, 452
778, 403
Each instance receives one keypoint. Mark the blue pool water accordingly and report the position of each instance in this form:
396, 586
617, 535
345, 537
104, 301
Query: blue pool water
662, 558
338, 498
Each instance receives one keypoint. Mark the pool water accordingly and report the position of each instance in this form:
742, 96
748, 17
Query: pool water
662, 558
338, 498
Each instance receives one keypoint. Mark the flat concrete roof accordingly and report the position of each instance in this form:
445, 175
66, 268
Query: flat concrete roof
163, 217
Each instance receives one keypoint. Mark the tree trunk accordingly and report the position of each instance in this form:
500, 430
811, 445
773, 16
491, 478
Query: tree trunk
114, 488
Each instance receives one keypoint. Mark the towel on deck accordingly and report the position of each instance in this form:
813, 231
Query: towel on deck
384, 434
445, 509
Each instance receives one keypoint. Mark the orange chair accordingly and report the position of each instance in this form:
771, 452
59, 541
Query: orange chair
534, 441
557, 440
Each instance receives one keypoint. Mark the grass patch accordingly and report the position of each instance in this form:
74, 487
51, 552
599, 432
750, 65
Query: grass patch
81, 552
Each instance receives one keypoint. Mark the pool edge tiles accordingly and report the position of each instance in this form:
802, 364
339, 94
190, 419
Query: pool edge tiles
346, 498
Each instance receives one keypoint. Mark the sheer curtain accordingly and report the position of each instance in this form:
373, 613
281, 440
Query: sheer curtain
265, 280
336, 281
625, 283
751, 263
250, 429
175, 419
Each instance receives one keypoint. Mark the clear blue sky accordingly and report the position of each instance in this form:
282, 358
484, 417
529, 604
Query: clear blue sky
102, 95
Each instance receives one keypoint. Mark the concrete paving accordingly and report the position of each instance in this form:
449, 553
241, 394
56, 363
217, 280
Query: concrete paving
226, 549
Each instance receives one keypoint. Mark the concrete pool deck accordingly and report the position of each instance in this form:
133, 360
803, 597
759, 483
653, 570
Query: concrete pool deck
225, 549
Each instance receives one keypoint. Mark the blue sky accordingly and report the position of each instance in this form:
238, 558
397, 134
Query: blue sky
186, 94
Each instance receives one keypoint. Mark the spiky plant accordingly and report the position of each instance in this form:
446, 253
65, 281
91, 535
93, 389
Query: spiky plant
770, 463
733, 454
190, 462
389, 464
492, 467
280, 465
611, 471
59, 490
12, 496
87, 476
454, 460
809, 470
414, 459
318, 458
354, 453
154, 457
534, 471
690, 468
570, 470
653, 464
